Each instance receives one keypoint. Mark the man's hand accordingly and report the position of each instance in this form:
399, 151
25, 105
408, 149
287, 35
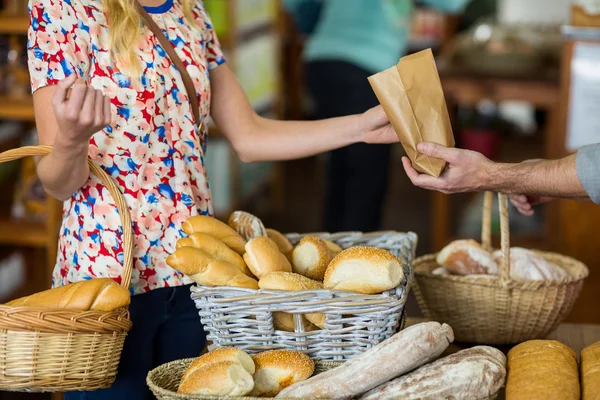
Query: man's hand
525, 203
466, 170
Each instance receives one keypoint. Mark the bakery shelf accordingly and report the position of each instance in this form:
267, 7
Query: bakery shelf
16, 108
23, 233
13, 24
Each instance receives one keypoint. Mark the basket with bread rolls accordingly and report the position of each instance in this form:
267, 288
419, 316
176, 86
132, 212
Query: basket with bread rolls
408, 365
70, 337
331, 296
497, 297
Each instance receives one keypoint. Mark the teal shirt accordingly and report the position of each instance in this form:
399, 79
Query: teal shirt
371, 34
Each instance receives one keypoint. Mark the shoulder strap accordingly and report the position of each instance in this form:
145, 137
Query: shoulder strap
166, 44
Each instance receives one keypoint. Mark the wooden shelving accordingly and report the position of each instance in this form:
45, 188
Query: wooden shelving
17, 108
13, 24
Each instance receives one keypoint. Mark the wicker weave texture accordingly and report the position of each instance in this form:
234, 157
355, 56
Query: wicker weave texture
64, 350
243, 318
498, 310
164, 380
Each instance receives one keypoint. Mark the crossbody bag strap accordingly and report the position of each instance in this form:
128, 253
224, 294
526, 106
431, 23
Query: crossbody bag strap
166, 44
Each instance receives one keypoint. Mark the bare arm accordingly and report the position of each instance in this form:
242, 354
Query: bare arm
67, 124
255, 138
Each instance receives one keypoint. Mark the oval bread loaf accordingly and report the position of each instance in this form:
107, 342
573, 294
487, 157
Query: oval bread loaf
528, 265
225, 378
590, 372
283, 243
278, 369
311, 257
216, 228
467, 257
218, 355
247, 225
263, 256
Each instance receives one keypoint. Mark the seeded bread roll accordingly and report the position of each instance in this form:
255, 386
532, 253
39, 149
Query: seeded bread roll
278, 369
284, 245
467, 257
367, 270
528, 265
247, 225
590, 372
263, 256
216, 228
214, 247
225, 378
219, 355
311, 258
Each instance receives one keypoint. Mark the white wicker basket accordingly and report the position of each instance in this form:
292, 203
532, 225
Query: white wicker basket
243, 318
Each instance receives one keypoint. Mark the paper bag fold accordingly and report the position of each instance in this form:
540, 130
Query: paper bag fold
411, 95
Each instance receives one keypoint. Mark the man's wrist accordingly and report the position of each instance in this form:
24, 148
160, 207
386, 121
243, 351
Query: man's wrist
499, 177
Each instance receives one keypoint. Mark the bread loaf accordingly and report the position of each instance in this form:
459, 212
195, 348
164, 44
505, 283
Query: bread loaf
367, 270
334, 248
311, 258
216, 228
225, 378
285, 322
284, 245
590, 372
263, 256
291, 282
278, 369
475, 373
99, 294
467, 257
247, 225
206, 270
542, 370
403, 352
222, 354
528, 265
214, 247
440, 271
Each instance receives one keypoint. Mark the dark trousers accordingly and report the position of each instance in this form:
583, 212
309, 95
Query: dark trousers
356, 175
166, 327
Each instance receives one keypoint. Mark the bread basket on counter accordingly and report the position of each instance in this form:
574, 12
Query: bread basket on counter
58, 350
498, 311
243, 318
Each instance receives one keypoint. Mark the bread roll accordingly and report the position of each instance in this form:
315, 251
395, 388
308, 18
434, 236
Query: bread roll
311, 258
219, 355
263, 256
291, 282
214, 247
284, 245
542, 370
440, 271
365, 270
225, 378
467, 257
528, 265
216, 228
247, 225
403, 352
285, 322
99, 294
590, 372
475, 373
206, 270
278, 369
334, 248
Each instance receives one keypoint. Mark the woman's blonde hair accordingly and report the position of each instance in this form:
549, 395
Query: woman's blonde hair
125, 29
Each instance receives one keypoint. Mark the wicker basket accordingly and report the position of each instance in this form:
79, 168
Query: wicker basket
164, 380
243, 318
62, 350
502, 310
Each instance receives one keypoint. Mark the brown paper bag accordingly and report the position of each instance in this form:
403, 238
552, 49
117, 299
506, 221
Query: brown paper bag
411, 95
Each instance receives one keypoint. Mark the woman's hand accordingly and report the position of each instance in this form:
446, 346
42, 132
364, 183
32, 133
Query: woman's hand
377, 127
80, 113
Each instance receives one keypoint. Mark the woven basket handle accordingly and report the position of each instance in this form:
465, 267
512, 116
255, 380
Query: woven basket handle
115, 192
486, 231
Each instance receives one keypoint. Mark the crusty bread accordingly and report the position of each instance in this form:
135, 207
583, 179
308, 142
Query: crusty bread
278, 369
216, 228
440, 271
263, 256
284, 245
99, 294
285, 322
311, 257
214, 247
528, 265
590, 372
367, 270
218, 355
225, 378
291, 282
206, 270
334, 248
247, 225
467, 257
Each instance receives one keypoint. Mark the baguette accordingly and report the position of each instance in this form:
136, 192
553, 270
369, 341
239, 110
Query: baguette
247, 225
214, 247
225, 378
216, 228
263, 256
284, 245
311, 258
475, 373
278, 369
590, 372
403, 352
99, 294
222, 354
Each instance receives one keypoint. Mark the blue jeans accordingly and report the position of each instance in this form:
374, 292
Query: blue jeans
166, 327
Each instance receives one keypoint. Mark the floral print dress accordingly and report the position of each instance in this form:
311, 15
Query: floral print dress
153, 149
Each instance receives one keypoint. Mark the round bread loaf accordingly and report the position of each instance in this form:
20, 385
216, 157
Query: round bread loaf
225, 378
367, 270
284, 245
247, 225
278, 369
218, 355
311, 258
263, 256
528, 265
467, 257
